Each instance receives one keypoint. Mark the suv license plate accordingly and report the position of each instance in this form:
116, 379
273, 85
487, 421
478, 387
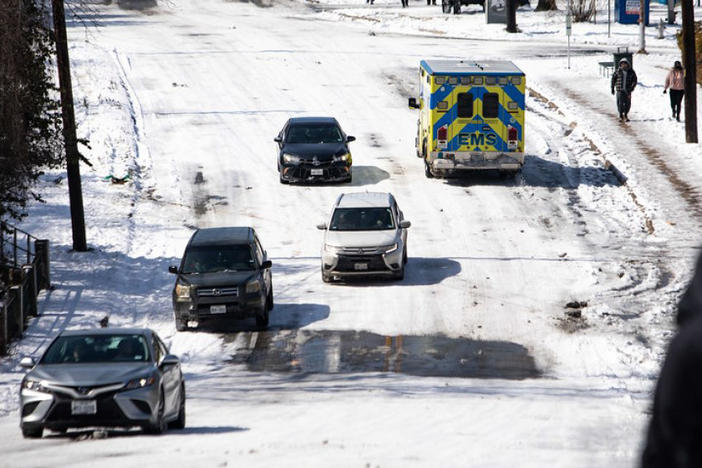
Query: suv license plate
317, 171
218, 309
360, 266
83, 407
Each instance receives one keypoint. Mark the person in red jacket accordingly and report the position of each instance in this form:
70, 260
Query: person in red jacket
676, 82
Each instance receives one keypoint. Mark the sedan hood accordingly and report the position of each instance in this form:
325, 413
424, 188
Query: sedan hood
361, 238
222, 278
90, 375
323, 151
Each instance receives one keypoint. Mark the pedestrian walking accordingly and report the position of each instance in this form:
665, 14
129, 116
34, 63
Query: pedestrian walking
675, 429
405, 3
370, 1
623, 82
676, 82
431, 2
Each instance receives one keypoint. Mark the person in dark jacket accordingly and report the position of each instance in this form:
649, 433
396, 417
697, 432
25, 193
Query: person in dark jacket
675, 431
623, 82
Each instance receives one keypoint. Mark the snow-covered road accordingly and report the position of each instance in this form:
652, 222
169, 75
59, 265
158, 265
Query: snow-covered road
471, 360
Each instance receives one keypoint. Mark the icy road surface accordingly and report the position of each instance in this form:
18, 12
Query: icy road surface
471, 360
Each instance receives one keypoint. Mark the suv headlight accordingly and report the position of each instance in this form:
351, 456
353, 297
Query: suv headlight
253, 287
391, 248
343, 158
331, 249
140, 382
35, 385
290, 159
183, 291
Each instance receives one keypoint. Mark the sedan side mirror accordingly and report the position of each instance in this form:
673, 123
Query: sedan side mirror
27, 362
266, 265
412, 102
173, 269
170, 360
350, 138
278, 139
405, 224
322, 226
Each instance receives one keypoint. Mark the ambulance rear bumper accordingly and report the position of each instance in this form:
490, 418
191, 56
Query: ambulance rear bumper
469, 161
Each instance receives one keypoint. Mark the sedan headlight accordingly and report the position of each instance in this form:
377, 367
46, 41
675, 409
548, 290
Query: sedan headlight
140, 382
253, 287
343, 158
291, 159
391, 248
34, 385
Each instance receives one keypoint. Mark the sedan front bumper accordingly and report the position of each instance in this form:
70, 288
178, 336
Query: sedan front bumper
327, 172
114, 408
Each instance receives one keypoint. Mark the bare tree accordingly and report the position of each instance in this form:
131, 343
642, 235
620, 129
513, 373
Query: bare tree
546, 5
582, 10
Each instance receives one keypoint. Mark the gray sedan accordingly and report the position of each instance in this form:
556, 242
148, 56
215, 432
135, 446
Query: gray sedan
119, 377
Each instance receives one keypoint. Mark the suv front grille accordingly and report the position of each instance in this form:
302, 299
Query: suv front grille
348, 263
361, 250
217, 292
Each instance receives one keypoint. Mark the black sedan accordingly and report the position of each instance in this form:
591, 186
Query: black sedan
313, 149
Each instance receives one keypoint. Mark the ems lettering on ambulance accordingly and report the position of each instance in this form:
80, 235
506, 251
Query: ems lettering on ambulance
476, 114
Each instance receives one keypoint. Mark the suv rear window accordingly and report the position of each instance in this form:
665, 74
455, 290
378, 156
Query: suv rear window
211, 259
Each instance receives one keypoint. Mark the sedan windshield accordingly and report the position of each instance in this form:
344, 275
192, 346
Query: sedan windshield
362, 219
97, 348
314, 133
211, 259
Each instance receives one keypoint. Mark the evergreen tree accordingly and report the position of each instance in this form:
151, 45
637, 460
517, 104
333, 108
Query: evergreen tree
30, 117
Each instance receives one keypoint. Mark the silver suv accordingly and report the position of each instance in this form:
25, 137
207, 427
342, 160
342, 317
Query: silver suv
366, 235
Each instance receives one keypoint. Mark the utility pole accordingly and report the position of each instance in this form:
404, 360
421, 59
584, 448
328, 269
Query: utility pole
75, 193
689, 62
642, 26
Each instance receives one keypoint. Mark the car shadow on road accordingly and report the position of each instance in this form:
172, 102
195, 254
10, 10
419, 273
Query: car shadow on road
419, 271
540, 172
362, 175
100, 433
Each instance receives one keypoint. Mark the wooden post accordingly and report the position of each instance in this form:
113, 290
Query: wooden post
690, 64
75, 193
511, 6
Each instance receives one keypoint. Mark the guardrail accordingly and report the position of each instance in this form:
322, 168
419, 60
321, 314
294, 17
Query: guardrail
24, 271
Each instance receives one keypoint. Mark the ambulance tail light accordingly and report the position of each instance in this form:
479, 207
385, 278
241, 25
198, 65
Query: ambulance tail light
442, 134
512, 136
442, 137
511, 133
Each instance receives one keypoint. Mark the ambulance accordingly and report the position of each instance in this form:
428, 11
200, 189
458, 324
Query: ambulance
471, 116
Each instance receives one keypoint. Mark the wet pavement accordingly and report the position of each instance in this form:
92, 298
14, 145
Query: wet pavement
350, 352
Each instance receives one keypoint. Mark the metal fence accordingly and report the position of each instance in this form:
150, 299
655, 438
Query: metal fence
24, 271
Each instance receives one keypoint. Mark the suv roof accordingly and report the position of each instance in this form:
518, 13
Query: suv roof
313, 120
222, 236
364, 200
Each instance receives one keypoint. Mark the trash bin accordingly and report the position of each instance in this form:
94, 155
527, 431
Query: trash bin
623, 52
627, 11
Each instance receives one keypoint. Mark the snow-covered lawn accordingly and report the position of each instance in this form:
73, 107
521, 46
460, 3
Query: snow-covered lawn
471, 360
